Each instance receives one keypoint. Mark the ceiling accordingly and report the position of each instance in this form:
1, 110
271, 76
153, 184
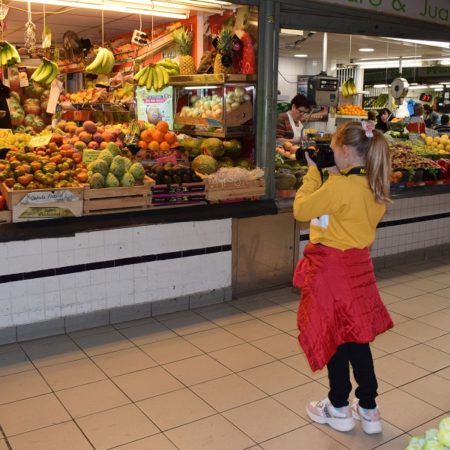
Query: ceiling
344, 47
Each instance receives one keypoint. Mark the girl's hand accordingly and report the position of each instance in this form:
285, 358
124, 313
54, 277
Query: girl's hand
309, 160
333, 170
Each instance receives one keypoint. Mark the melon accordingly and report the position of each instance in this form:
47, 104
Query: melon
233, 148
204, 164
212, 147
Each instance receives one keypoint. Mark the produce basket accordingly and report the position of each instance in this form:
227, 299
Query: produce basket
27, 205
118, 199
234, 191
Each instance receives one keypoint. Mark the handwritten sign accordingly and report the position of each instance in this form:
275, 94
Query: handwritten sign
90, 155
40, 141
46, 212
36, 197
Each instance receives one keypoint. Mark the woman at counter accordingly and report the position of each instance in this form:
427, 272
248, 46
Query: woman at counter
290, 123
382, 120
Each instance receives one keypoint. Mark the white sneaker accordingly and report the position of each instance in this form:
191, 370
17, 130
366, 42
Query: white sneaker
370, 418
340, 419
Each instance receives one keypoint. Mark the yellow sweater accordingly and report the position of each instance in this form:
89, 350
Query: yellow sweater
343, 211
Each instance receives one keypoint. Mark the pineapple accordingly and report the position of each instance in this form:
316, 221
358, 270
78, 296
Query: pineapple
224, 45
183, 44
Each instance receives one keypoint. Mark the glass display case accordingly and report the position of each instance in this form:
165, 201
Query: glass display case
214, 105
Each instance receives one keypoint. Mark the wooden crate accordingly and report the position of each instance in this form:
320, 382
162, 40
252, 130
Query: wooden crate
43, 204
184, 194
5, 216
222, 192
118, 199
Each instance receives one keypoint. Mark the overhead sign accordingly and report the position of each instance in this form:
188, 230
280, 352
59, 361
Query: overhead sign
436, 11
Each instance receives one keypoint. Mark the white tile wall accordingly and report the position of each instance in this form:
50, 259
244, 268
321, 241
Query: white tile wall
46, 298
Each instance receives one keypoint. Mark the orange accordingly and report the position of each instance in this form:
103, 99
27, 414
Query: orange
153, 146
142, 144
157, 135
146, 135
164, 146
162, 126
170, 137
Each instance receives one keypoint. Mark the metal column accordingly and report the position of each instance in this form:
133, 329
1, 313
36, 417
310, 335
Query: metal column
269, 27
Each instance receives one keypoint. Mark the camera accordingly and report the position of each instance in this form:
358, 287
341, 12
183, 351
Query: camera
321, 154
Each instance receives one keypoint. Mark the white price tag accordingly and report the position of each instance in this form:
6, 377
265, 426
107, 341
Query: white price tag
55, 89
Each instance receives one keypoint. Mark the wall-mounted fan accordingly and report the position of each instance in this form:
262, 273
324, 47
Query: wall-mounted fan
73, 46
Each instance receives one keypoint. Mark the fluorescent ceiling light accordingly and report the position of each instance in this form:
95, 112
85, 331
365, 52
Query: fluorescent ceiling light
421, 42
301, 55
389, 64
439, 89
291, 32
445, 62
128, 8
378, 86
434, 86
367, 50
418, 87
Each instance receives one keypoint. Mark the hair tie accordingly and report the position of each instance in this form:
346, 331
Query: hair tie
368, 128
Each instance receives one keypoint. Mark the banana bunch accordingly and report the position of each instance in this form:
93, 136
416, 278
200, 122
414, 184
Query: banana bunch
349, 88
171, 66
103, 62
8, 54
46, 72
153, 76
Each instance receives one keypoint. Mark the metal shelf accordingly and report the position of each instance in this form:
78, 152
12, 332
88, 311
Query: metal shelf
206, 79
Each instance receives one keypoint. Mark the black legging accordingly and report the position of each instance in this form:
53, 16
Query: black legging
360, 357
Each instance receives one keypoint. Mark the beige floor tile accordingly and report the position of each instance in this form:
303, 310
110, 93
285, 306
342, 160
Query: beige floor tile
71, 374
397, 372
284, 321
441, 343
417, 331
92, 398
3, 445
256, 419
444, 373
207, 434
171, 350
241, 357
438, 320
13, 362
92, 331
274, 377
187, 324
300, 363
252, 330
258, 307
124, 361
135, 323
398, 318
425, 357
147, 383
443, 278
391, 342
65, 436
412, 309
223, 314
175, 408
402, 291
307, 437
116, 427
279, 346
147, 333
401, 277
228, 392
376, 352
50, 351
431, 389
187, 370
358, 440
297, 398
444, 292
32, 413
399, 443
156, 442
215, 339
100, 343
381, 283
433, 301
425, 285
405, 411
22, 385
433, 423
389, 298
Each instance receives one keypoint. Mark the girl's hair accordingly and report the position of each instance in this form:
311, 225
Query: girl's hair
374, 151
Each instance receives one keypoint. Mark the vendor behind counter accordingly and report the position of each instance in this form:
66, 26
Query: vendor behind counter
290, 123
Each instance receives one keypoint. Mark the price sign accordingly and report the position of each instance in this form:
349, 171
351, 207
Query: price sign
40, 141
90, 155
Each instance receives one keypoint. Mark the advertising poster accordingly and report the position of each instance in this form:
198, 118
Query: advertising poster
153, 106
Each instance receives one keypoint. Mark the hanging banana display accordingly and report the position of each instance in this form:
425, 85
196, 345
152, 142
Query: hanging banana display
156, 76
349, 88
46, 72
103, 62
8, 54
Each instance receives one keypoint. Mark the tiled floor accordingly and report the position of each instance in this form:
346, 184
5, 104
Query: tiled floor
228, 376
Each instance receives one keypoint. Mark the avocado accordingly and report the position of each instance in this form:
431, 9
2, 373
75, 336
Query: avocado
167, 179
176, 179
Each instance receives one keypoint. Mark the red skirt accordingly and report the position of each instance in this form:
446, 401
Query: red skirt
339, 301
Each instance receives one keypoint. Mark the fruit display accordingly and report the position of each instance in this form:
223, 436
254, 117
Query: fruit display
103, 63
171, 174
351, 110
156, 141
288, 150
183, 40
223, 62
46, 72
349, 88
17, 140
111, 169
90, 95
153, 76
8, 54
435, 145
228, 175
433, 439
